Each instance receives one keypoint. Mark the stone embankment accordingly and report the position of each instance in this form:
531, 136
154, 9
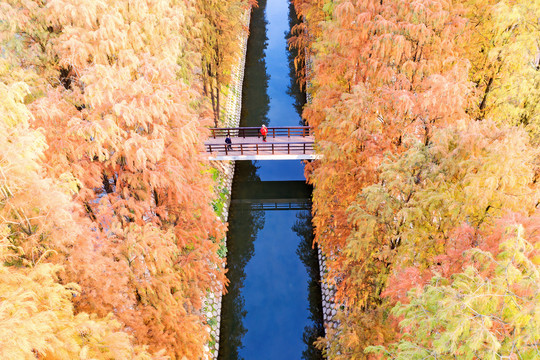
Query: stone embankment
328, 293
212, 307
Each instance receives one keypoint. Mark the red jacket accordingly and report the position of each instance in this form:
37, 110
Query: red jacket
264, 131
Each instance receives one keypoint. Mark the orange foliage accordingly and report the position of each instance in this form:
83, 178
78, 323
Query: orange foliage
381, 71
384, 75
40, 225
117, 98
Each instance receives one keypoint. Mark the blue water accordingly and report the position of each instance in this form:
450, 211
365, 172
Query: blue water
282, 111
273, 306
277, 287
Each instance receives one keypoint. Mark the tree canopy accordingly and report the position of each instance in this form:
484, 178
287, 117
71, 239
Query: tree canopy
424, 114
103, 182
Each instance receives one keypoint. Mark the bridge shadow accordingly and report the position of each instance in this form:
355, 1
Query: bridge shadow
259, 191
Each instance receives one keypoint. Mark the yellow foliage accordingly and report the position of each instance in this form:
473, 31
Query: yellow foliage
505, 58
38, 210
37, 320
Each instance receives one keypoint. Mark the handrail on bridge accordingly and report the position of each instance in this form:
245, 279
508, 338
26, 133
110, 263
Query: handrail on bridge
292, 148
244, 132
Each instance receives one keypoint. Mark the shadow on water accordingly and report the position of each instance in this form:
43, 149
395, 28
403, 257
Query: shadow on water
246, 229
244, 225
308, 255
303, 227
255, 99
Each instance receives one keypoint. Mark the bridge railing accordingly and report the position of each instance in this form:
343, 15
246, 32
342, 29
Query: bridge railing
244, 132
293, 148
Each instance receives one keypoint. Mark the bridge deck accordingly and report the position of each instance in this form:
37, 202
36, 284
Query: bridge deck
253, 148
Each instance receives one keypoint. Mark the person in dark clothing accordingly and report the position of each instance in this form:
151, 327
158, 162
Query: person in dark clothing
228, 141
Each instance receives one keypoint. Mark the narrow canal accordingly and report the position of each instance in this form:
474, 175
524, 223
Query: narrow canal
273, 306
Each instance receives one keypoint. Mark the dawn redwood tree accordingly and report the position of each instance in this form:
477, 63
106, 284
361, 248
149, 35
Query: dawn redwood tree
221, 22
377, 72
124, 126
404, 228
38, 321
381, 70
488, 310
386, 78
471, 173
39, 226
134, 144
468, 175
38, 216
27, 43
311, 15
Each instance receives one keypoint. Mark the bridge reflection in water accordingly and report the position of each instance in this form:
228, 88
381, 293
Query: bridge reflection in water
275, 195
276, 204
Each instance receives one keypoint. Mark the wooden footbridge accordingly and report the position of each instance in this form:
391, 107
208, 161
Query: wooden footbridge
282, 143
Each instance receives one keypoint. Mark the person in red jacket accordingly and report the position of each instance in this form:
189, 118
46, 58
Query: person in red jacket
264, 132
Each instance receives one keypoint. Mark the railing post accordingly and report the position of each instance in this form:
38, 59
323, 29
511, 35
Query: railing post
241, 149
209, 148
257, 148
304, 148
288, 132
272, 148
288, 148
226, 150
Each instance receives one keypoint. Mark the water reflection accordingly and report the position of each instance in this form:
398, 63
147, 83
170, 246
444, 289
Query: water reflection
273, 306
267, 313
294, 90
255, 99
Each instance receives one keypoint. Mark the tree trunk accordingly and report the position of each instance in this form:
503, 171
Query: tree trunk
213, 96
484, 99
218, 93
